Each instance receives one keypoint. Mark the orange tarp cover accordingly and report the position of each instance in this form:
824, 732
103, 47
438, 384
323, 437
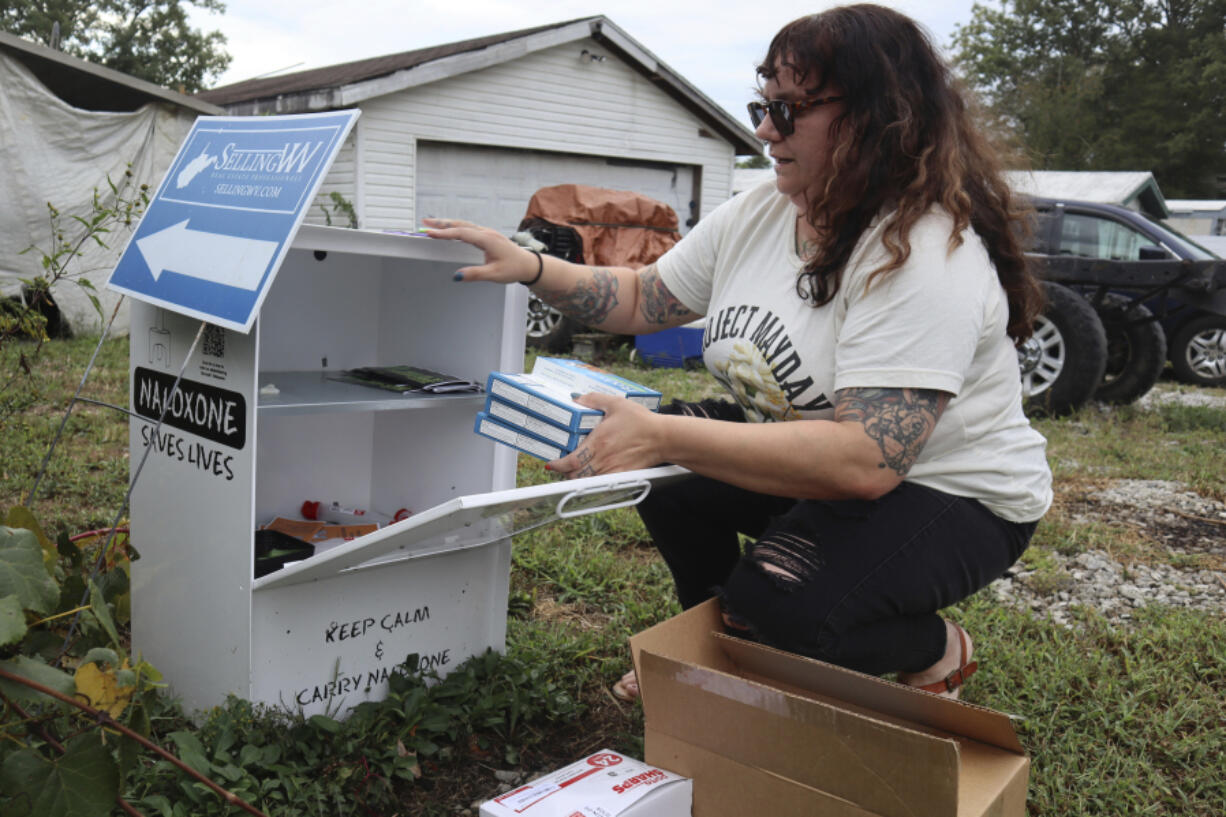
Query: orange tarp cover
617, 227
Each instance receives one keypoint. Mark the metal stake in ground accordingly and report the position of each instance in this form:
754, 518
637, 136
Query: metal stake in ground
127, 497
42, 469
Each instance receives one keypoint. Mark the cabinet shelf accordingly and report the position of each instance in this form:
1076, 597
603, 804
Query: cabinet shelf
315, 393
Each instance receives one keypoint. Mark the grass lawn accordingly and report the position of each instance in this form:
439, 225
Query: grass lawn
1117, 718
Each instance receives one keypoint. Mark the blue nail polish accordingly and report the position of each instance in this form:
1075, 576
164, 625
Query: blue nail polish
459, 276
574, 395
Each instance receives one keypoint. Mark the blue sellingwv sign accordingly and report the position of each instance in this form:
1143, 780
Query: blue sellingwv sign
217, 229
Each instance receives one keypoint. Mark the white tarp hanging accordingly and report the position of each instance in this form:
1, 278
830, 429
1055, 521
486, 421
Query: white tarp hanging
51, 152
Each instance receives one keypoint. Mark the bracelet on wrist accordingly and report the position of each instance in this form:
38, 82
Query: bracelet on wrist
540, 269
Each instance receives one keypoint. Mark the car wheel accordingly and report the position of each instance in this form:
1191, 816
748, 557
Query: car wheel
1136, 350
548, 328
1063, 361
1198, 351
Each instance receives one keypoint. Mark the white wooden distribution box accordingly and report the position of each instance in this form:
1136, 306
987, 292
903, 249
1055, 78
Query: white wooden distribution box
257, 428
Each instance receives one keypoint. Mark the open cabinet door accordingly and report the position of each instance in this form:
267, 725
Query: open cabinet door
423, 593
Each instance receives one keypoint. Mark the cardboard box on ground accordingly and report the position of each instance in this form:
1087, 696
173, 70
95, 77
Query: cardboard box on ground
761, 731
604, 784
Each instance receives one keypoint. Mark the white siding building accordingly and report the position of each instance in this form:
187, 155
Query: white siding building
1198, 217
471, 129
1136, 190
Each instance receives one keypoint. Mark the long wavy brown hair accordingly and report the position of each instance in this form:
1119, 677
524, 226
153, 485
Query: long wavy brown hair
906, 143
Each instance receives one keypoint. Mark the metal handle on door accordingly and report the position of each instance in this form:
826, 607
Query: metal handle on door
641, 486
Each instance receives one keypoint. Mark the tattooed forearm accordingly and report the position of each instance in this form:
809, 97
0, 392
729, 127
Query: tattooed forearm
590, 301
900, 420
656, 303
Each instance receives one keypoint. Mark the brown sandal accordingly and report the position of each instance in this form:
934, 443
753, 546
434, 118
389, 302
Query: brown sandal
627, 688
952, 682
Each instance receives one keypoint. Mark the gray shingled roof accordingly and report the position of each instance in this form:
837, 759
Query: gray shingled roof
334, 85
336, 76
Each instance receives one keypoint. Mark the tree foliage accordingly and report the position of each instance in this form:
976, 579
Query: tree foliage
149, 39
1107, 84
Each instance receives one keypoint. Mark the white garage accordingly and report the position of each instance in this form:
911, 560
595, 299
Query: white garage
486, 185
472, 129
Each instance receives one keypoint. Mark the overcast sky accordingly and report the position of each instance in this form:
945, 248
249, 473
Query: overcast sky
714, 44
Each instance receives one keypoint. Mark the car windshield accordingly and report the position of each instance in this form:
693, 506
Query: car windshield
1173, 236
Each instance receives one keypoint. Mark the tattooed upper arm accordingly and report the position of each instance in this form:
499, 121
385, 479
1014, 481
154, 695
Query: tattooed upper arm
590, 301
656, 304
899, 420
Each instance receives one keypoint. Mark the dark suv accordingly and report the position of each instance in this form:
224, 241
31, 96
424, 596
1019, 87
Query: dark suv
1109, 262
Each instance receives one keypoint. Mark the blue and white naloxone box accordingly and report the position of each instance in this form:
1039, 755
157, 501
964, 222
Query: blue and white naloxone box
544, 399
517, 438
577, 376
513, 415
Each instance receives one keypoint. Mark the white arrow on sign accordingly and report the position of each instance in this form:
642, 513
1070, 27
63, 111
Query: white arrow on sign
222, 259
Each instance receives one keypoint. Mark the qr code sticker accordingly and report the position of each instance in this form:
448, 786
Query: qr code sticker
214, 341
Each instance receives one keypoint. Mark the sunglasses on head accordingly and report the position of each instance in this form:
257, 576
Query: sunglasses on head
783, 113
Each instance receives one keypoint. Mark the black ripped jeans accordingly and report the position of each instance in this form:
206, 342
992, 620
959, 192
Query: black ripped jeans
855, 583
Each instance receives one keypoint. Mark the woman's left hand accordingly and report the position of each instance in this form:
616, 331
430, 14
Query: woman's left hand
505, 261
626, 439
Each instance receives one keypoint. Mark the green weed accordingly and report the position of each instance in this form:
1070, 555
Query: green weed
85, 481
488, 709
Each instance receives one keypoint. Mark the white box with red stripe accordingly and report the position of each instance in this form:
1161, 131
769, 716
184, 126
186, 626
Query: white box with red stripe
605, 784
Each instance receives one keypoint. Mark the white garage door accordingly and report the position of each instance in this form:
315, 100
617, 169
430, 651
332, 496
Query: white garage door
491, 186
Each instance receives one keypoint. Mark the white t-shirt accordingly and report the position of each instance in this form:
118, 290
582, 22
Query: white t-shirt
938, 322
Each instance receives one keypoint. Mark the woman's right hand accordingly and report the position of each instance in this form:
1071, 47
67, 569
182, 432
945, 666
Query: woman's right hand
505, 261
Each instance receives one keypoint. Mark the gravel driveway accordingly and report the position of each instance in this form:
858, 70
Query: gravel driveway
1188, 524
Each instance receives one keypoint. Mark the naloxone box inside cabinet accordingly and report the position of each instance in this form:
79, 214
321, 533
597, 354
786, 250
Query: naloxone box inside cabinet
761, 731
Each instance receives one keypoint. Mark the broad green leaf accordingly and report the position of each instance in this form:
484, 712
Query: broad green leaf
123, 608
72, 591
127, 754
191, 751
250, 755
23, 573
38, 672
69, 550
224, 740
82, 782
138, 720
159, 802
12, 621
230, 772
101, 655
103, 613
42, 644
149, 672
20, 516
113, 584
325, 723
